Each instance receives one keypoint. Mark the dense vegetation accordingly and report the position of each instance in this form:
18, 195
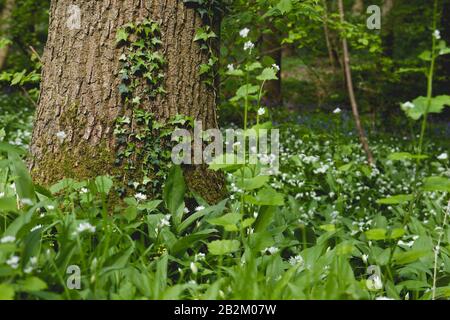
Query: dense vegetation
329, 225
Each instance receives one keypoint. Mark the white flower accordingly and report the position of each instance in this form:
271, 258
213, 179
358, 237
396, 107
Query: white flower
13, 262
165, 222
26, 201
276, 67
186, 210
61, 135
374, 283
437, 34
261, 111
85, 226
200, 208
383, 298
50, 207
36, 227
8, 239
249, 45
272, 250
194, 268
140, 196
407, 244
84, 190
337, 110
230, 67
2, 194
443, 156
244, 32
365, 257
199, 256
297, 260
408, 105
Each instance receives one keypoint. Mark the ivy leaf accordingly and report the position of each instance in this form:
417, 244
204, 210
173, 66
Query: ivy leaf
122, 35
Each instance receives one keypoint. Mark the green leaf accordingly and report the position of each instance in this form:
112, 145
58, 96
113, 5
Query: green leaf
420, 105
284, 6
266, 197
174, 190
229, 219
103, 184
268, 74
253, 183
6, 292
32, 284
222, 247
398, 199
24, 184
437, 184
376, 234
122, 35
401, 156
409, 256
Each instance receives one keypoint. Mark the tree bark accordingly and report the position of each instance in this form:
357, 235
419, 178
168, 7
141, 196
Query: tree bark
351, 92
387, 7
358, 7
80, 81
327, 35
5, 25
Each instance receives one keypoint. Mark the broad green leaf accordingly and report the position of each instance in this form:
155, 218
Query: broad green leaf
32, 284
419, 106
223, 247
437, 184
376, 234
268, 74
6, 292
253, 183
400, 156
284, 6
409, 256
266, 197
398, 199
174, 190
103, 184
229, 219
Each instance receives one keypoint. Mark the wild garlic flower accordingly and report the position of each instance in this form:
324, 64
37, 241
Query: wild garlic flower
85, 226
244, 32
249, 45
7, 239
437, 34
261, 111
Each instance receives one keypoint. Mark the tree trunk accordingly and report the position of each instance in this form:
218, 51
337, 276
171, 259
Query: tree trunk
351, 92
358, 7
271, 46
5, 25
327, 36
387, 7
80, 87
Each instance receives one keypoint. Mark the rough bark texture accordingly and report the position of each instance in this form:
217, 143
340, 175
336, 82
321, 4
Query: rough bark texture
79, 90
5, 23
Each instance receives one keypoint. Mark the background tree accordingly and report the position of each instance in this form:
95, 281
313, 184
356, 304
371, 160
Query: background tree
83, 93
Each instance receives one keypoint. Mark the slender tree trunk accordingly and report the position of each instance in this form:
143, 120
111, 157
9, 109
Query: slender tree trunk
4, 28
358, 7
327, 35
80, 87
271, 46
351, 92
387, 7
